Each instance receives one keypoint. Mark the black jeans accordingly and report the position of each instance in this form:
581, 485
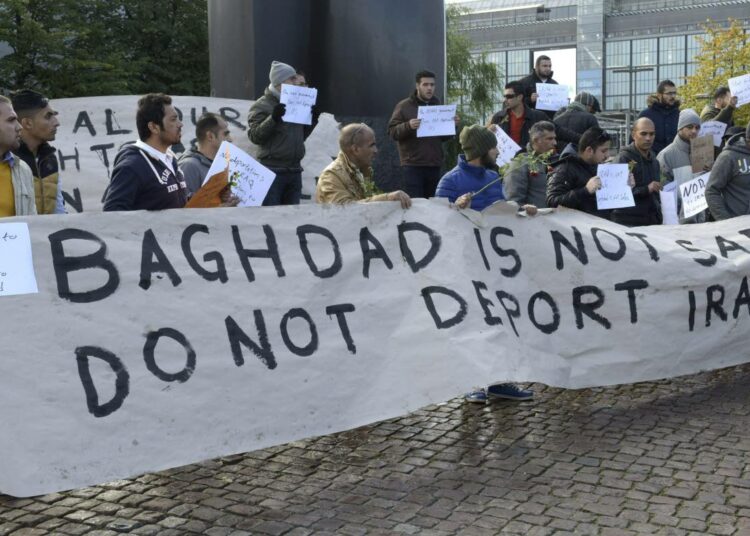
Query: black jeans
420, 181
286, 188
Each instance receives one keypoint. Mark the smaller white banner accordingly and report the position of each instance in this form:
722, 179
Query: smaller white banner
299, 102
668, 199
16, 263
507, 147
251, 180
715, 129
551, 97
740, 88
615, 192
693, 195
436, 121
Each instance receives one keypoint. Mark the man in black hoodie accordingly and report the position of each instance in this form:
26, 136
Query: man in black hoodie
542, 74
574, 181
646, 171
145, 174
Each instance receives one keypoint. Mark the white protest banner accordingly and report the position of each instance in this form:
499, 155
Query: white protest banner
693, 194
436, 120
740, 88
16, 265
715, 129
299, 102
92, 130
250, 179
615, 192
551, 97
506, 146
668, 197
159, 339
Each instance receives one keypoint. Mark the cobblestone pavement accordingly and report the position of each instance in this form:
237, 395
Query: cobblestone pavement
667, 457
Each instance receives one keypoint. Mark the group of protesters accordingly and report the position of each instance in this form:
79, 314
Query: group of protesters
556, 166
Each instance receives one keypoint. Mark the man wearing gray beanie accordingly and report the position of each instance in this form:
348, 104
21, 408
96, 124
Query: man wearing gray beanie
728, 187
281, 145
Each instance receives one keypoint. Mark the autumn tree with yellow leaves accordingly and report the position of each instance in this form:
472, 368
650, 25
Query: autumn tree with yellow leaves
724, 54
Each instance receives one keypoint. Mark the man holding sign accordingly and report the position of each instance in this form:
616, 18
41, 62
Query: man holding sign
542, 74
646, 173
281, 143
516, 118
421, 157
574, 181
210, 130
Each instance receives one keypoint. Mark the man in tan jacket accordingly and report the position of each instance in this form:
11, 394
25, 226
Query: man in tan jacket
347, 179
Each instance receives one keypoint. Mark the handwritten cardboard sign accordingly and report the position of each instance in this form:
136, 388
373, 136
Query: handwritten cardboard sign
615, 192
507, 147
702, 153
299, 102
436, 121
251, 180
693, 194
740, 88
715, 129
551, 97
16, 264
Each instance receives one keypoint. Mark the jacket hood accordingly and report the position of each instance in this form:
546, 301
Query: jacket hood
476, 171
652, 101
631, 151
737, 144
126, 151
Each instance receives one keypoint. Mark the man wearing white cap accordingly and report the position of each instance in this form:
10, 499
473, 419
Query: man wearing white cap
281, 145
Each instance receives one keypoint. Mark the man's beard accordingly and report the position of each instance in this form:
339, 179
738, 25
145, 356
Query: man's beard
488, 162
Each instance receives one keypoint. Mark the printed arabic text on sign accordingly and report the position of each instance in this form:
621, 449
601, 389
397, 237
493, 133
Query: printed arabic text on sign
436, 121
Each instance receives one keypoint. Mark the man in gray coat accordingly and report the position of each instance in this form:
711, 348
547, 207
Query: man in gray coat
677, 154
210, 130
728, 188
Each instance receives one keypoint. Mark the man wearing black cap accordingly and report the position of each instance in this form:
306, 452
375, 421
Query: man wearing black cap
39, 126
281, 144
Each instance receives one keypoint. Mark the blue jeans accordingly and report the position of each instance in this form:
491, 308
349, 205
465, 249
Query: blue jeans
420, 181
286, 188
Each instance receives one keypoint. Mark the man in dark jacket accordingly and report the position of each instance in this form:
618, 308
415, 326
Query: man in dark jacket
516, 118
664, 111
145, 174
281, 145
728, 187
722, 108
645, 170
574, 182
542, 74
421, 158
39, 127
578, 116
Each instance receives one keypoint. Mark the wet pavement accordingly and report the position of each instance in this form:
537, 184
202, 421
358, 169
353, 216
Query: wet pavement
667, 457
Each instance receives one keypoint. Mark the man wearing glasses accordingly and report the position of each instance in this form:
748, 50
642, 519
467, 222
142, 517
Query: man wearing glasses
664, 110
516, 118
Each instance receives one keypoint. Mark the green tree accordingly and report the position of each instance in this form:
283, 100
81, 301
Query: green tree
75, 48
473, 81
724, 53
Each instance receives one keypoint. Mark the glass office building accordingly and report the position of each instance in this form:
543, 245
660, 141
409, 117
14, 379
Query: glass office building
623, 48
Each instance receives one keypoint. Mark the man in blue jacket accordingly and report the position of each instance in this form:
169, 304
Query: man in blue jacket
664, 111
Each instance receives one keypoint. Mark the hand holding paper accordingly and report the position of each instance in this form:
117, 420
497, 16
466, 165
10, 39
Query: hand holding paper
299, 102
614, 191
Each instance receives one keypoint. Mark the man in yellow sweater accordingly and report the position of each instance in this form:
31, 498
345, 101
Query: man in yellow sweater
16, 181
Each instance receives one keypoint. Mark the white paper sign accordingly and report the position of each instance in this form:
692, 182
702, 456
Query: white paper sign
551, 97
299, 101
682, 174
506, 146
714, 128
668, 197
615, 192
740, 88
252, 180
693, 194
436, 120
16, 264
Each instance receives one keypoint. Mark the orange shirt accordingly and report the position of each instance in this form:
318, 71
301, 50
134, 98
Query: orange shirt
7, 195
516, 124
